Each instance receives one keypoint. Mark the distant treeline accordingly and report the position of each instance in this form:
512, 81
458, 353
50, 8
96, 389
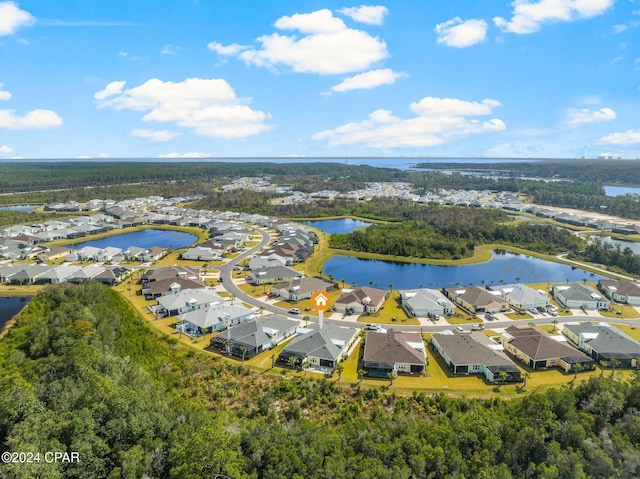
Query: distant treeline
82, 372
31, 176
452, 233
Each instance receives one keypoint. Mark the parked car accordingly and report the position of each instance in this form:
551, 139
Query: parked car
489, 317
477, 327
460, 328
294, 311
271, 295
372, 327
552, 312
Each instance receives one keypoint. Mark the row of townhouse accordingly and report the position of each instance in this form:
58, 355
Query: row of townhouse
45, 274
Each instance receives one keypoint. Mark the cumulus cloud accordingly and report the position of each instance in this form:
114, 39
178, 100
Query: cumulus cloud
36, 119
437, 121
529, 16
368, 80
460, 34
629, 137
155, 135
5, 150
4, 95
210, 107
583, 116
373, 15
12, 18
191, 154
323, 45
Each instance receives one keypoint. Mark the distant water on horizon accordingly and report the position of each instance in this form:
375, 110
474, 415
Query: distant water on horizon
403, 163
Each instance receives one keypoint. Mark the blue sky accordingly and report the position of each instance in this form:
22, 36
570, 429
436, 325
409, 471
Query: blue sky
187, 78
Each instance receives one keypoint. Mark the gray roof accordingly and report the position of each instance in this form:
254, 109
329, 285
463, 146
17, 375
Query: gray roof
538, 345
258, 331
323, 343
607, 340
214, 313
580, 292
473, 348
276, 271
626, 288
394, 347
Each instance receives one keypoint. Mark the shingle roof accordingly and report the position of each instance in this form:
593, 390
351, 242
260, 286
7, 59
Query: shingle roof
394, 347
608, 341
538, 345
475, 348
256, 332
320, 343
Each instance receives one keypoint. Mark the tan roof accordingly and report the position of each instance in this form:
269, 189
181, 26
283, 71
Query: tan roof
360, 293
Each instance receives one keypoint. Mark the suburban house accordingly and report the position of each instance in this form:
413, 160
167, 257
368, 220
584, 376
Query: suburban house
393, 352
301, 288
361, 300
163, 272
539, 350
604, 343
256, 335
214, 316
201, 253
171, 286
523, 297
258, 262
426, 303
184, 301
477, 300
113, 275
53, 253
625, 292
273, 275
579, 296
475, 353
154, 253
321, 348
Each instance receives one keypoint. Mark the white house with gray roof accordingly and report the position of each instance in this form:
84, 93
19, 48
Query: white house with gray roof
273, 274
184, 301
604, 343
579, 296
255, 335
426, 303
213, 316
322, 348
523, 297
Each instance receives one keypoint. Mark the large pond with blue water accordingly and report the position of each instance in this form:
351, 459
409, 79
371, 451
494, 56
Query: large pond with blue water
620, 190
10, 306
20, 208
632, 245
143, 239
503, 267
341, 226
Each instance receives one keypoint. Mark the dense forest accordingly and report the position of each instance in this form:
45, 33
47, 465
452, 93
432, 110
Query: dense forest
82, 372
447, 232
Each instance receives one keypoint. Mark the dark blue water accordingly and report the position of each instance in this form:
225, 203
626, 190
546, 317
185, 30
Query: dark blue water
508, 267
144, 239
21, 208
344, 225
620, 190
10, 306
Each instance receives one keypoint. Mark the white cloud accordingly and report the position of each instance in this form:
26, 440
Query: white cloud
5, 150
169, 50
368, 80
208, 106
583, 116
373, 15
220, 49
460, 34
324, 45
155, 135
191, 154
12, 18
437, 121
36, 119
112, 89
529, 16
4, 95
629, 137
620, 28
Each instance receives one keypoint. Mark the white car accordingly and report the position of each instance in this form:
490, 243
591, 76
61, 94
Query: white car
294, 311
460, 328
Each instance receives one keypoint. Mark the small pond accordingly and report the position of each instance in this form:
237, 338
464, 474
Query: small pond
340, 226
10, 306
